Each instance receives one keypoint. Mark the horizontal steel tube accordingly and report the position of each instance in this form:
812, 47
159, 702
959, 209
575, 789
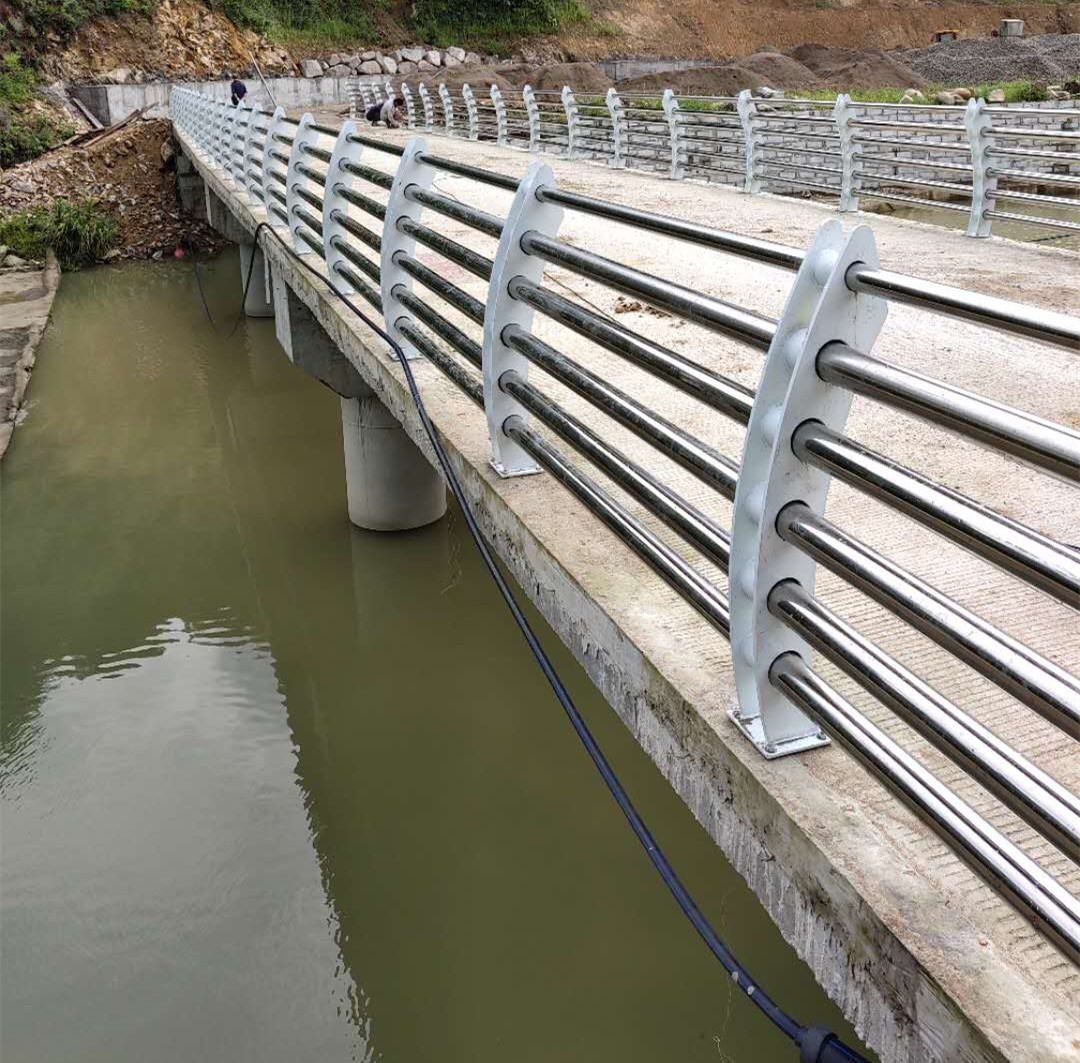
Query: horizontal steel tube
678, 514
926, 128
900, 160
452, 208
1033, 153
326, 131
308, 219
446, 247
685, 302
1012, 546
1034, 197
318, 153
1037, 442
707, 464
817, 186
464, 345
1036, 798
673, 569
1053, 223
475, 173
376, 177
450, 293
277, 194
369, 293
378, 145
307, 196
922, 145
357, 259
899, 197
310, 239
1038, 177
361, 232
469, 384
358, 199
717, 391
993, 857
915, 182
311, 175
283, 159
1037, 134
1030, 678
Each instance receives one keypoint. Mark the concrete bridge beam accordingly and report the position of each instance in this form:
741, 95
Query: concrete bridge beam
257, 301
389, 483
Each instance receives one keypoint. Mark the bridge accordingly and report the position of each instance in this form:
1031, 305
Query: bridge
801, 500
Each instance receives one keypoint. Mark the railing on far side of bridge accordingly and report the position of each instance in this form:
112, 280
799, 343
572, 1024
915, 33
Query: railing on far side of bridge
362, 207
987, 162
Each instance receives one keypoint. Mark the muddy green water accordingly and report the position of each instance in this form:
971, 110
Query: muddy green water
275, 789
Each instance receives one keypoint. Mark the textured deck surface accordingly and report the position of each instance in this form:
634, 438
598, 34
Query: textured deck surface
968, 946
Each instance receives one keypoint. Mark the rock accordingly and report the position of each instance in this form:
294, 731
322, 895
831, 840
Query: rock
389, 65
424, 67
449, 61
456, 53
366, 57
369, 66
406, 69
412, 55
119, 75
915, 96
337, 59
433, 57
167, 150
22, 186
354, 61
473, 58
341, 70
311, 68
996, 96
963, 95
947, 99
14, 260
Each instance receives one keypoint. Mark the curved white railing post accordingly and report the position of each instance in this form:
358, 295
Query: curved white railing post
241, 125
820, 309
367, 95
849, 156
429, 110
618, 129
277, 125
979, 122
388, 88
573, 121
526, 213
533, 113
678, 148
217, 133
447, 102
747, 109
334, 203
470, 112
303, 136
251, 131
410, 105
502, 136
410, 171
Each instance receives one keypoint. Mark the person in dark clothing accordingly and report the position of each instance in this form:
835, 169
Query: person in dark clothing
387, 112
238, 90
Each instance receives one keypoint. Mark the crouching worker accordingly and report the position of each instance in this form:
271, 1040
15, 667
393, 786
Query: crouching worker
385, 112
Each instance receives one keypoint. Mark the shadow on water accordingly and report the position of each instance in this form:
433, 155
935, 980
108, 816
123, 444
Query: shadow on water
278, 789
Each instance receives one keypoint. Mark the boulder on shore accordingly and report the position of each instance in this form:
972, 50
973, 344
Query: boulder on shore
311, 68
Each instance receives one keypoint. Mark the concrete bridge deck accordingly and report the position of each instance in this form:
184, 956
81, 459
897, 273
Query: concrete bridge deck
927, 961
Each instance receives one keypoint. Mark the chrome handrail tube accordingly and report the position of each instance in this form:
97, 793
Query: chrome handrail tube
450, 249
1040, 443
1008, 544
1034, 796
1016, 668
453, 208
368, 173
358, 260
438, 324
361, 232
365, 203
997, 860
449, 292
709, 465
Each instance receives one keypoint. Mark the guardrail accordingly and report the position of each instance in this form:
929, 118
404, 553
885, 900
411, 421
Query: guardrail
319, 191
990, 162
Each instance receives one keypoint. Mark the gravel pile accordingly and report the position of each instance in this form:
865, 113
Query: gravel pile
975, 60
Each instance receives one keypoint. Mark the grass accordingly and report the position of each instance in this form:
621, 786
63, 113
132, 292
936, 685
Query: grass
492, 25
80, 233
24, 133
1015, 92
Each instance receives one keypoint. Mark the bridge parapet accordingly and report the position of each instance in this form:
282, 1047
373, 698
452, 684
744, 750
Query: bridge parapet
818, 356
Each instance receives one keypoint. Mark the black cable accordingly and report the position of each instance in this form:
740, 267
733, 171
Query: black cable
202, 293
816, 1043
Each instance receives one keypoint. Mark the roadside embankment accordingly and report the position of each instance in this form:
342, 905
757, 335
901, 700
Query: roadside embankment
26, 295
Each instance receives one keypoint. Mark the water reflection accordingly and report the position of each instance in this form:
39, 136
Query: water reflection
277, 789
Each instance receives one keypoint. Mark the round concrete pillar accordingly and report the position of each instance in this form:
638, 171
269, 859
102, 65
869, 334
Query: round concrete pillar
256, 304
389, 483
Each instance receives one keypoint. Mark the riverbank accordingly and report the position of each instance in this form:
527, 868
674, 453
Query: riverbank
26, 294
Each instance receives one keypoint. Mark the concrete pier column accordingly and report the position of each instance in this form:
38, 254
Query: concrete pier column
256, 299
389, 483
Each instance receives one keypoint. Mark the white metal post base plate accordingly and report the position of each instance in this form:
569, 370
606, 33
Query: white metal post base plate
754, 729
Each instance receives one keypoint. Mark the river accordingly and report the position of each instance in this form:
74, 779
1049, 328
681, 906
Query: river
276, 789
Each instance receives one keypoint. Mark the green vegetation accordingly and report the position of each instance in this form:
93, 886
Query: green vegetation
313, 22
1015, 92
23, 132
80, 233
492, 25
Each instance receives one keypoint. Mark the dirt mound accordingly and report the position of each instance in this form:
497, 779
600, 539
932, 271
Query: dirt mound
130, 172
581, 77
763, 68
478, 78
850, 69
182, 38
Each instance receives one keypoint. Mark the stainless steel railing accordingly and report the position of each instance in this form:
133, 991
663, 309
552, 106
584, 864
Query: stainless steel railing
324, 186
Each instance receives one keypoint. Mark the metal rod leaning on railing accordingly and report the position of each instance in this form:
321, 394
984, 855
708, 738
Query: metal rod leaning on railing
1008, 870
1034, 796
1016, 668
